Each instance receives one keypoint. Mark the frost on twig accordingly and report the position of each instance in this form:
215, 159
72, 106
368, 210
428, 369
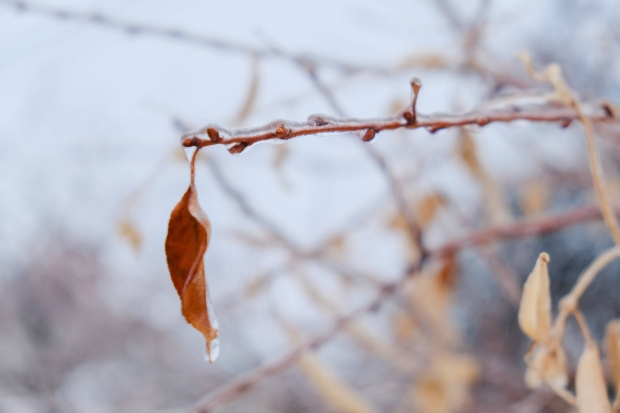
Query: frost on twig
237, 140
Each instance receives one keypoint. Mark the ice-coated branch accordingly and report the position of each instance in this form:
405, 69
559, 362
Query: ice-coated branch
237, 140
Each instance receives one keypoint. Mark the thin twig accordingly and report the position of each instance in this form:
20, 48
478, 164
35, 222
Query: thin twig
570, 301
521, 229
569, 304
534, 227
583, 326
238, 139
178, 35
563, 94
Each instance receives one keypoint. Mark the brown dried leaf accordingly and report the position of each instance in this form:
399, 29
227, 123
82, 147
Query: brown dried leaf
612, 344
535, 308
187, 241
590, 382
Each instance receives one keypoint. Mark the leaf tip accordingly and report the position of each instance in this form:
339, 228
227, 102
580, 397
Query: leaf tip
212, 350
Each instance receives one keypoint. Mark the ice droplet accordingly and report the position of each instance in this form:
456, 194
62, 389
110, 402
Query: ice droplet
212, 350
189, 152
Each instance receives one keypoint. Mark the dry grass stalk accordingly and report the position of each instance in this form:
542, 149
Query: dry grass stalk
563, 94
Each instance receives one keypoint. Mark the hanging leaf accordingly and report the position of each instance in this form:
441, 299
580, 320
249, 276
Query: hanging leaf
590, 382
187, 241
535, 308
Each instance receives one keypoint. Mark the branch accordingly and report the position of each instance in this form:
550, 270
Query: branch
521, 229
237, 140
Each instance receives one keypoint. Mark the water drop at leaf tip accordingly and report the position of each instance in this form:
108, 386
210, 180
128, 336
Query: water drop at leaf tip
212, 354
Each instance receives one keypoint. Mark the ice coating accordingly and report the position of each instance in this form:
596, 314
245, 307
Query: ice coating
237, 148
189, 152
212, 350
368, 135
238, 140
319, 119
201, 137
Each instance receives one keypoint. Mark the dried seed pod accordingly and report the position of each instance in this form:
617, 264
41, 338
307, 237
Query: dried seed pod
612, 347
546, 366
590, 382
535, 308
